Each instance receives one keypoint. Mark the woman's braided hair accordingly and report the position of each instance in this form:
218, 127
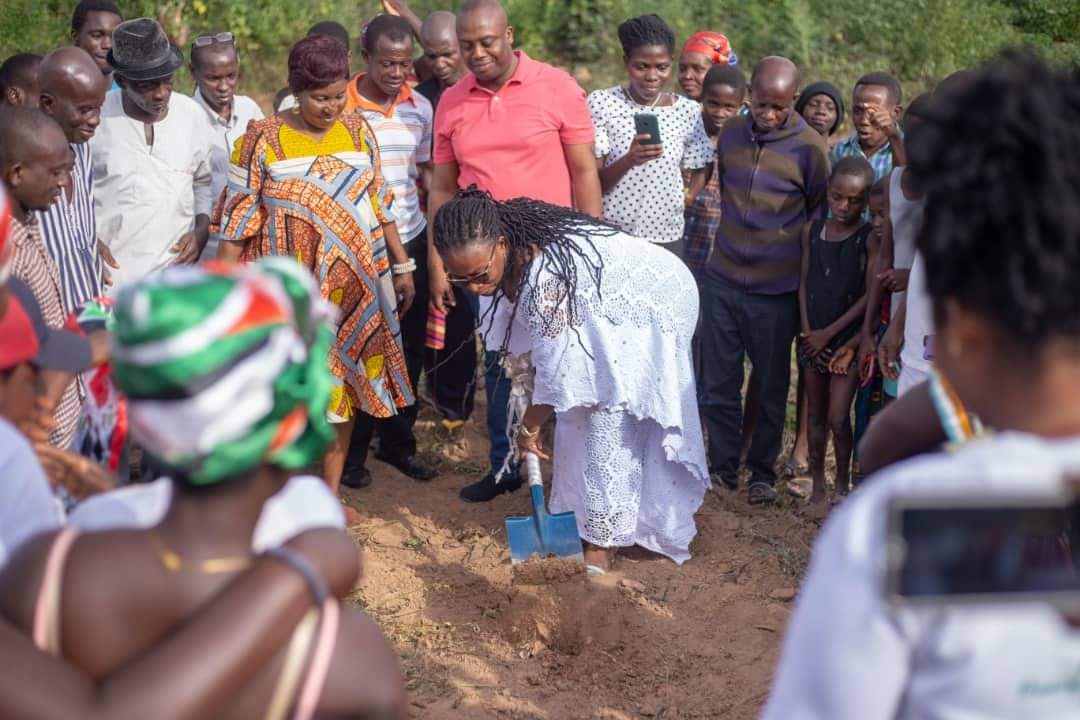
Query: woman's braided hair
562, 236
996, 156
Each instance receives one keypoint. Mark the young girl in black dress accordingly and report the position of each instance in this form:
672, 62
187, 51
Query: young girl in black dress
832, 301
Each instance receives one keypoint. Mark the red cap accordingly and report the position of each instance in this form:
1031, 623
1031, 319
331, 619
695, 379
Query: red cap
18, 342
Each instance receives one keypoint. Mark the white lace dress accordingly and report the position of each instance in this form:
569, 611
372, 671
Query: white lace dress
629, 455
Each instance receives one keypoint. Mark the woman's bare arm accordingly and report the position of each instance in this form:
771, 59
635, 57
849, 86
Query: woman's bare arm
195, 669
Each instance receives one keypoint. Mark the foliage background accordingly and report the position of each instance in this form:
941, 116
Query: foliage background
920, 41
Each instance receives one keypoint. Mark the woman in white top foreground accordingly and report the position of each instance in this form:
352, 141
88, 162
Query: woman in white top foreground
997, 159
607, 319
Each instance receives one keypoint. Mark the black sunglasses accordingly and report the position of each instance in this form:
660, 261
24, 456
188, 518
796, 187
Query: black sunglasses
476, 277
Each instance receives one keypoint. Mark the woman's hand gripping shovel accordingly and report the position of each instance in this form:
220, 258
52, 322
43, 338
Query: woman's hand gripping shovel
542, 535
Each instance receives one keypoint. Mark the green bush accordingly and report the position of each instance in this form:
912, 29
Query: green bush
918, 40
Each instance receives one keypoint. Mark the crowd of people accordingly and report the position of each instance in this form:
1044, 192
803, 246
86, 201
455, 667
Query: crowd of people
200, 304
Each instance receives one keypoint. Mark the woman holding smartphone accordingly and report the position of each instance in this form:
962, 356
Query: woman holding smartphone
1002, 253
646, 136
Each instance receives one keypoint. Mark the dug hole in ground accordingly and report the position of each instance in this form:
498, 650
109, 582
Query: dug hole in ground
650, 640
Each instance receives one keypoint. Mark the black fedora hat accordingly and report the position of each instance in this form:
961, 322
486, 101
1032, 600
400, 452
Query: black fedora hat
141, 51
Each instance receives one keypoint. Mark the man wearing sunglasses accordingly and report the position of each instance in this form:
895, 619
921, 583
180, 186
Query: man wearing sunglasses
215, 65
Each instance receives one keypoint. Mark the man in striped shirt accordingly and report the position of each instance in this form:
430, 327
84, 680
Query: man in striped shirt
402, 121
72, 93
34, 166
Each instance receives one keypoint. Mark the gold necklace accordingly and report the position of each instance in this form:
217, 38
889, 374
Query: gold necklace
174, 563
637, 102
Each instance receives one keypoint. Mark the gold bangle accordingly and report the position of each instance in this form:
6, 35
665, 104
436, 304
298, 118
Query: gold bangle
525, 431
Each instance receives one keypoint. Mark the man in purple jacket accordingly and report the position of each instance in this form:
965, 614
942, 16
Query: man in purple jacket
774, 172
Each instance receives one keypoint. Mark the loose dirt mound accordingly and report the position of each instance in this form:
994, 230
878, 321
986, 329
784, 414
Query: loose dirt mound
650, 640
547, 571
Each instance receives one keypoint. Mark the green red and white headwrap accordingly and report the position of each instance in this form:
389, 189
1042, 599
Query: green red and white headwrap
225, 367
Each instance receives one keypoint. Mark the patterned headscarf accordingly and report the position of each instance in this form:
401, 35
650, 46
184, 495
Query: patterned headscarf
712, 45
225, 367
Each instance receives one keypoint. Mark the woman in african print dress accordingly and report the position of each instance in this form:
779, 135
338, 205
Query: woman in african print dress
307, 183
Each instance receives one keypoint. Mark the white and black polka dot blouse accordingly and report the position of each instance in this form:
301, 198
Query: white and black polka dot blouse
648, 201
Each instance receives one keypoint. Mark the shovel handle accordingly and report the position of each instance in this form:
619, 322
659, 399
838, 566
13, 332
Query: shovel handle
532, 468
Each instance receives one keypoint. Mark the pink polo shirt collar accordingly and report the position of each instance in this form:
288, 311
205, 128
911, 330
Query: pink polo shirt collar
524, 71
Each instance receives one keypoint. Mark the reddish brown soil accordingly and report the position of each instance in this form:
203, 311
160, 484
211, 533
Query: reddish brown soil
650, 640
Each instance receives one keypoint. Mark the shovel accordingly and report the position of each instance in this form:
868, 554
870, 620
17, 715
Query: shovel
542, 534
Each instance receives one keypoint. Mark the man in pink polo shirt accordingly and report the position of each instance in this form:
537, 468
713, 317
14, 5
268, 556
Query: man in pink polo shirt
514, 127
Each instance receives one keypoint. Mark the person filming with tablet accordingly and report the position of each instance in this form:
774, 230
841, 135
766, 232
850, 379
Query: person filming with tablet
1002, 251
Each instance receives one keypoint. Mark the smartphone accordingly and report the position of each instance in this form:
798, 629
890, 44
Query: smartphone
647, 124
984, 550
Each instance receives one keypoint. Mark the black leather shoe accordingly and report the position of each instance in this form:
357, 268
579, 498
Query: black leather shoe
719, 481
410, 467
355, 477
487, 489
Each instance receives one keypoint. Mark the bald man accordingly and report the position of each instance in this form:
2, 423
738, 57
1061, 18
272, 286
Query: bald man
438, 37
773, 173
450, 371
72, 92
35, 162
514, 127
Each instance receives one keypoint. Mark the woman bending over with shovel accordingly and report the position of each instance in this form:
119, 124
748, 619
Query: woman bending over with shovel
607, 320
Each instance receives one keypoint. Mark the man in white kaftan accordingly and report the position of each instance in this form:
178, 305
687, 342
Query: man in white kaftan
152, 178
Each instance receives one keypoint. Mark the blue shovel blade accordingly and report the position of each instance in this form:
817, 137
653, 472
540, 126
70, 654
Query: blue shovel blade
543, 534
524, 539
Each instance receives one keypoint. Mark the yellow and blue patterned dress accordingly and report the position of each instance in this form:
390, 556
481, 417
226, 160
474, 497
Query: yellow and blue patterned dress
324, 202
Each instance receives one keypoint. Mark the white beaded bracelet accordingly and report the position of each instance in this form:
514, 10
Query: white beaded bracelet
403, 268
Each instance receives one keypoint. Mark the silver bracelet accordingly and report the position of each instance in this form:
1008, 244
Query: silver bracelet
403, 268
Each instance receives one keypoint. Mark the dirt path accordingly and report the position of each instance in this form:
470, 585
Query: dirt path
652, 640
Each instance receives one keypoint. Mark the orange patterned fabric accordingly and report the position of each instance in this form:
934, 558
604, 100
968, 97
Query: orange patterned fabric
324, 204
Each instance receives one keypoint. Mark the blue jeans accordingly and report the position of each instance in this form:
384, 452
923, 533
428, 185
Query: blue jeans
497, 389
